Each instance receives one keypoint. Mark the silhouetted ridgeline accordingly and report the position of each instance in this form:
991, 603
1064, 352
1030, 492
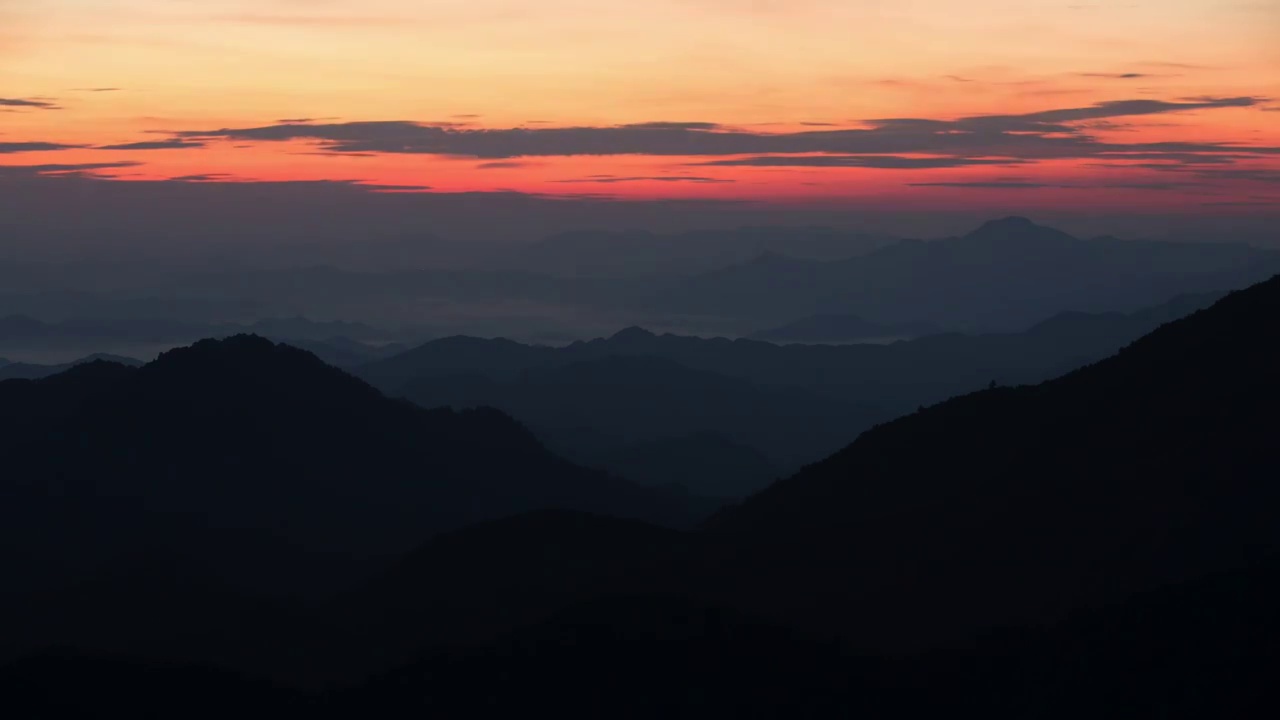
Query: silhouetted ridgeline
261, 470
1101, 544
34, 371
623, 402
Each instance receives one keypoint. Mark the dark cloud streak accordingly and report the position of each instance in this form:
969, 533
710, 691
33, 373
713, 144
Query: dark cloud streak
1040, 135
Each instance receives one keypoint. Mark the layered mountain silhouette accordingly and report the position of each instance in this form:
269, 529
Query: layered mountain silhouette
35, 371
342, 344
1201, 649
1017, 504
1098, 544
820, 329
613, 254
604, 411
606, 402
1002, 276
259, 463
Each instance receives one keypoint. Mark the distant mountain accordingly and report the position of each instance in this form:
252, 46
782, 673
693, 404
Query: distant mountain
594, 409
1017, 505
893, 379
344, 352
343, 343
1004, 275
33, 371
643, 253
817, 329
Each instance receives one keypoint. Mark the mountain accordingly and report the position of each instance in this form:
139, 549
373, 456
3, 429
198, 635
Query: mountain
704, 463
598, 407
242, 437
33, 371
1004, 275
638, 253
1018, 504
817, 329
1201, 649
891, 379
343, 352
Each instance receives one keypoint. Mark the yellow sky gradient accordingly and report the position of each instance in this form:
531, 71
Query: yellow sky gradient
762, 66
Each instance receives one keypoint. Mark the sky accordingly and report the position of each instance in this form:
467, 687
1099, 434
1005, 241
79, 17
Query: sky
1151, 109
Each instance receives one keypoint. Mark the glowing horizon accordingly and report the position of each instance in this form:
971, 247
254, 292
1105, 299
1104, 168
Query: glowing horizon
910, 103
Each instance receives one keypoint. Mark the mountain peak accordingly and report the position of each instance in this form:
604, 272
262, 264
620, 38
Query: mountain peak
1019, 229
633, 333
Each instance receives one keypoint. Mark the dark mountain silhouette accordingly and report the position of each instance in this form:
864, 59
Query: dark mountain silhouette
1018, 504
69, 685
870, 383
1099, 544
34, 371
703, 463
338, 343
643, 253
594, 408
1202, 649
1005, 275
268, 470
817, 329
1196, 650
344, 352
497, 576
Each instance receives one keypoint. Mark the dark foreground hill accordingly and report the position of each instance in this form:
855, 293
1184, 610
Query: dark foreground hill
612, 410
256, 469
1210, 648
1018, 504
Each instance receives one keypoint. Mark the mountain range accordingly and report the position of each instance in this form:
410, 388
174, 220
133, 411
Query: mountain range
1102, 543
1002, 276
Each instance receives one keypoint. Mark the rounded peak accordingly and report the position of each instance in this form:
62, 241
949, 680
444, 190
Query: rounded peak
635, 332
233, 350
1012, 222
1019, 228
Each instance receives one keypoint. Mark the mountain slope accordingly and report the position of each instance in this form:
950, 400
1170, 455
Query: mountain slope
33, 371
1017, 504
243, 434
1006, 274
623, 400
841, 329
895, 378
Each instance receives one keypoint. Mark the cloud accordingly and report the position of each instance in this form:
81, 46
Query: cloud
883, 162
97, 89
504, 165
28, 103
660, 178
63, 168
1243, 203
1116, 76
18, 147
173, 144
1042, 135
994, 184
1029, 185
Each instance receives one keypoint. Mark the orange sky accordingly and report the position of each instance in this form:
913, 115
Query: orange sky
1147, 105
